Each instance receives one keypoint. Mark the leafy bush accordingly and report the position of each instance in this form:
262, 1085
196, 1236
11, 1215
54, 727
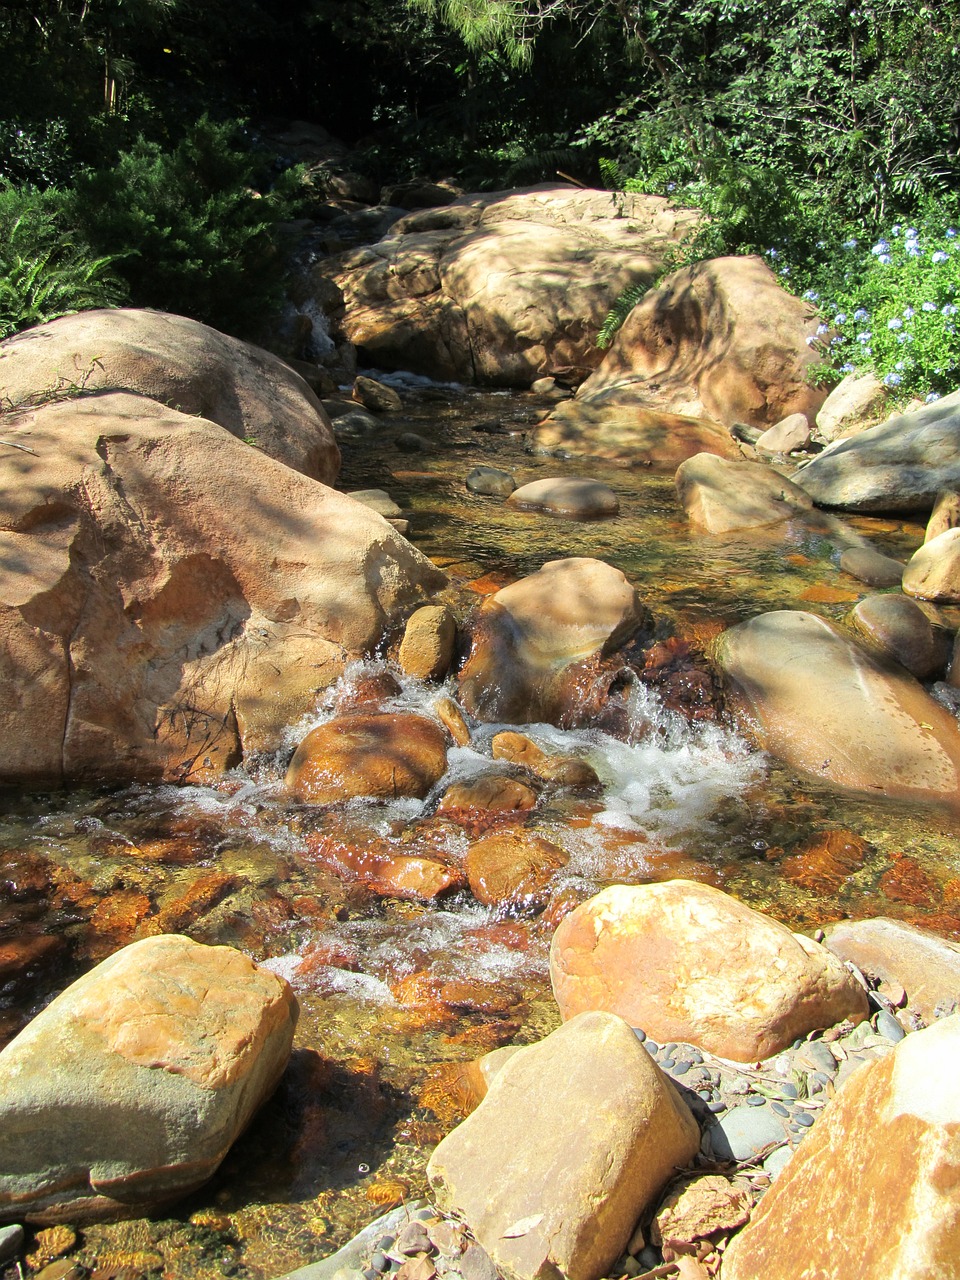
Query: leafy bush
893, 305
45, 270
191, 232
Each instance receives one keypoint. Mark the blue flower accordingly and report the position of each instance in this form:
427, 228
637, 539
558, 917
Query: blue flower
850, 244
951, 233
822, 329
846, 368
895, 323
911, 233
895, 231
881, 247
908, 313
948, 310
892, 380
928, 306
904, 337
933, 395
772, 253
811, 295
883, 259
840, 318
810, 340
939, 256
861, 314
912, 249
865, 336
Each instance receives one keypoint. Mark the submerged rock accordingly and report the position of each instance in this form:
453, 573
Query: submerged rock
532, 641
571, 497
128, 1090
382, 756
873, 1192
512, 867
814, 698
574, 1140
720, 496
901, 629
687, 962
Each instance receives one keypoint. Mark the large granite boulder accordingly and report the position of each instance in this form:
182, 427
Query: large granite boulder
128, 1090
873, 1191
170, 596
505, 287
532, 641
575, 1138
685, 961
719, 341
183, 364
814, 698
900, 465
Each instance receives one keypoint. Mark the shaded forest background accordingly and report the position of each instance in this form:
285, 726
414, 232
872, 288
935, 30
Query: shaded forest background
132, 170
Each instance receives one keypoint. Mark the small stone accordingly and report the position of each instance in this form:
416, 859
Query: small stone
641, 1035
668, 1064
779, 1109
682, 1067
371, 1273
816, 1056
476, 1264
803, 1118
379, 1261
376, 395
755, 1100
490, 482
788, 1090
887, 1025
569, 497
744, 1132
651, 1046
777, 1160
413, 1239
11, 1242
717, 1107
410, 442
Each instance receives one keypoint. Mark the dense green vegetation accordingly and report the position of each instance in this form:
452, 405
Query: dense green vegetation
129, 170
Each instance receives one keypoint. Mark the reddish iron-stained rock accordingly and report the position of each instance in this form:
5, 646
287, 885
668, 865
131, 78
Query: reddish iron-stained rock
380, 868
568, 771
906, 881
382, 756
873, 1191
127, 1091
451, 717
826, 861
512, 866
685, 961
490, 791
574, 1140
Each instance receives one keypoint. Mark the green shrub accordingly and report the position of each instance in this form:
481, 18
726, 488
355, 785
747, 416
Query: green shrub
46, 270
192, 233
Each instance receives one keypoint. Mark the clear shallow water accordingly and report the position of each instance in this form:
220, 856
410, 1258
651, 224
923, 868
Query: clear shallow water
395, 993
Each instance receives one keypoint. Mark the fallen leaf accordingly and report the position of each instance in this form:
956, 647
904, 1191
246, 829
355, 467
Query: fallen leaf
522, 1227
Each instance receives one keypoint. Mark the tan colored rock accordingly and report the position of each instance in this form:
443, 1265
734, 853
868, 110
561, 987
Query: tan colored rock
933, 571
699, 1208
429, 638
531, 639
512, 867
898, 626
384, 756
575, 1138
873, 1191
871, 567
127, 1091
185, 366
945, 514
493, 791
377, 500
613, 427
720, 340
394, 875
482, 290
925, 966
687, 962
719, 496
568, 771
143, 631
815, 699
789, 434
451, 717
376, 396
858, 402
571, 497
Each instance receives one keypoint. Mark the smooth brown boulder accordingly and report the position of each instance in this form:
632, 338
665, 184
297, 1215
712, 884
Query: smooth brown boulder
791, 433
530, 641
127, 1091
171, 597
570, 497
808, 694
512, 867
925, 966
871, 567
490, 791
684, 961
382, 756
719, 341
719, 496
898, 626
184, 365
567, 771
933, 571
429, 638
574, 1140
873, 1192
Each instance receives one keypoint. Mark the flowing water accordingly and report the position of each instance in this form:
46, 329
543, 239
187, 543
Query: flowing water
395, 993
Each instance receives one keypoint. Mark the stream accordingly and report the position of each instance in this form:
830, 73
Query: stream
393, 993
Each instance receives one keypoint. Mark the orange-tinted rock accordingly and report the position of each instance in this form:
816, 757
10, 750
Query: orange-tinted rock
567, 771
574, 1140
697, 1209
115, 921
906, 881
23, 955
451, 717
687, 962
926, 968
201, 897
873, 1191
380, 868
367, 693
126, 1092
827, 861
489, 791
512, 866
381, 756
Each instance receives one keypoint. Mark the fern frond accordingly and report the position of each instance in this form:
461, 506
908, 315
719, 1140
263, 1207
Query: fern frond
626, 300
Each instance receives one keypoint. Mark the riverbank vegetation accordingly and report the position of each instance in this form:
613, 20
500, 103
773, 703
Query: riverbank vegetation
132, 170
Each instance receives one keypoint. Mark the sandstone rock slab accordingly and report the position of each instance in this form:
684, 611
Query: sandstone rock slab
686, 962
126, 1092
812, 697
574, 1139
859, 401
873, 1191
933, 571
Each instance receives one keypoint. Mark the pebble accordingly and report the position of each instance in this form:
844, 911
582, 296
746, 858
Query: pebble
755, 1100
11, 1242
743, 1133
652, 1047
788, 1090
887, 1025
668, 1064
803, 1118
682, 1067
779, 1109
777, 1160
818, 1057
640, 1034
